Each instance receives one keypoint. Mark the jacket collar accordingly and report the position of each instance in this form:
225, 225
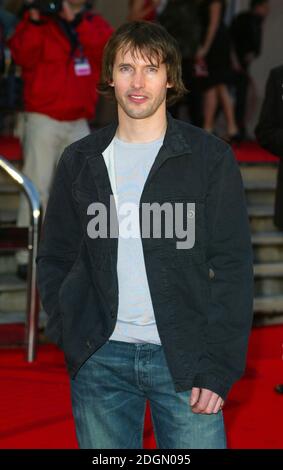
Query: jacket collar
177, 138
176, 141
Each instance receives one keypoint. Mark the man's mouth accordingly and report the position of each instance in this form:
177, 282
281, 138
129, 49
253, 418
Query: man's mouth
137, 98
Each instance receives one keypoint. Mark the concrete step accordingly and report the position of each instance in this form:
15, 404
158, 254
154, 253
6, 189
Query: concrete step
268, 278
11, 283
267, 286
8, 216
260, 197
260, 185
20, 317
267, 239
258, 172
270, 270
8, 264
259, 182
268, 246
266, 319
9, 196
261, 218
13, 293
272, 304
260, 210
260, 192
8, 188
11, 301
9, 201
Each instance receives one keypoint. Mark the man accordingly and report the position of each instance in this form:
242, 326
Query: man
269, 133
140, 312
60, 55
246, 34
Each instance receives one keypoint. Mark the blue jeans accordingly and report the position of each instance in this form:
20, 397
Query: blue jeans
109, 395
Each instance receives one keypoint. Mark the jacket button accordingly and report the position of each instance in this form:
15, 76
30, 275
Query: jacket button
88, 344
211, 273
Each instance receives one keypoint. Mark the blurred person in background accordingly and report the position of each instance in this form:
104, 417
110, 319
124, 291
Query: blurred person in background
269, 133
246, 35
59, 47
145, 10
213, 56
8, 18
181, 19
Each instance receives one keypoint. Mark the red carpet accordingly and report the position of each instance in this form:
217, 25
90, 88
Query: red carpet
36, 410
251, 152
10, 148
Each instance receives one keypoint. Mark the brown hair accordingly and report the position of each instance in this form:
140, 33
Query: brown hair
152, 42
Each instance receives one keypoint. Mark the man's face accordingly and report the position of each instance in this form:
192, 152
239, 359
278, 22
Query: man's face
140, 86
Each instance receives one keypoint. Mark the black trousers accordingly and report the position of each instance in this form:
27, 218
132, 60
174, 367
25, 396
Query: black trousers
193, 99
241, 85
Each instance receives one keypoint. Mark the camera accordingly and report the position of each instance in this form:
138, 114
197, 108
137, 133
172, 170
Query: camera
47, 7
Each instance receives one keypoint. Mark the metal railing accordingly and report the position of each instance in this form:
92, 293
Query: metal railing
32, 307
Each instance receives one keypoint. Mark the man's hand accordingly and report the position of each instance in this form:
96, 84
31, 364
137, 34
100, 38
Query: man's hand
205, 401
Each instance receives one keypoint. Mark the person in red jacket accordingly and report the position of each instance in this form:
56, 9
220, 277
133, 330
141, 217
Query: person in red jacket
60, 56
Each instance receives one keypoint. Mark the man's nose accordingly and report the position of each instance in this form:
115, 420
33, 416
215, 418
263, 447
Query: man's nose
138, 79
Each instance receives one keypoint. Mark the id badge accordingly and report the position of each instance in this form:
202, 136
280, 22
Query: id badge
82, 66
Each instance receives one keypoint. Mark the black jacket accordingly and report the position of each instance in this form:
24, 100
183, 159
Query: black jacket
202, 297
269, 132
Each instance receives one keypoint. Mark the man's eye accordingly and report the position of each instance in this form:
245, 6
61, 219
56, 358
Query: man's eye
152, 69
125, 69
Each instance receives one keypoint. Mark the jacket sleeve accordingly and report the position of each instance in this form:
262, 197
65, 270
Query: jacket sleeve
269, 131
59, 245
26, 43
230, 291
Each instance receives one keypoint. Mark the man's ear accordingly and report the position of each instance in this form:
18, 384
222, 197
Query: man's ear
111, 83
169, 85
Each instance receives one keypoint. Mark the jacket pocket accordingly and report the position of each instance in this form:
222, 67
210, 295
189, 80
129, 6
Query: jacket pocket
70, 285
